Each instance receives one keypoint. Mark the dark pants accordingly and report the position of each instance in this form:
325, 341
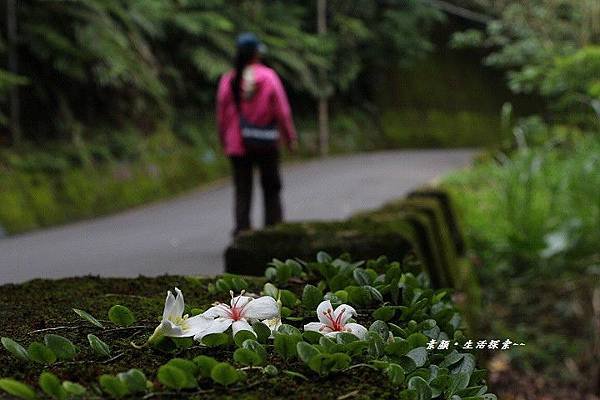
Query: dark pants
268, 165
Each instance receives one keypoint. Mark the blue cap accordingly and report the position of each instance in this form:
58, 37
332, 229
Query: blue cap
250, 40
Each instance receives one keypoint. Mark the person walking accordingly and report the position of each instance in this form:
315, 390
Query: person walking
254, 118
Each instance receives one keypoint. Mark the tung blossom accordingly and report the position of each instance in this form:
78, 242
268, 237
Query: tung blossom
174, 323
332, 322
238, 314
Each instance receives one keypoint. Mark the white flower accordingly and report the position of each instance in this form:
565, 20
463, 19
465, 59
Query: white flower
335, 321
174, 323
241, 311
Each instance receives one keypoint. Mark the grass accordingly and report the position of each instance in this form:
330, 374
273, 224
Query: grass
531, 218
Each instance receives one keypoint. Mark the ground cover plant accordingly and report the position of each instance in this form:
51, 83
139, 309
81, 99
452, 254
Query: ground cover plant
531, 218
330, 328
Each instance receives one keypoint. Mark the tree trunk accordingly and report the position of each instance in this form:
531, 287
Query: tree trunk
323, 101
13, 66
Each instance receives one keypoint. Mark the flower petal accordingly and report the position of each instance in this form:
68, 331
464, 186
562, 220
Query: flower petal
317, 327
273, 324
240, 301
195, 325
264, 307
169, 329
323, 308
218, 325
179, 305
169, 302
332, 334
346, 312
220, 310
241, 325
357, 330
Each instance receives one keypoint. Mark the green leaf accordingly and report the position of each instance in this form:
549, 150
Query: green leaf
381, 328
385, 313
74, 389
288, 298
61, 346
238, 283
326, 363
135, 380
270, 370
361, 277
17, 389
121, 315
323, 257
222, 285
417, 340
51, 385
271, 290
15, 349
88, 317
294, 374
224, 374
451, 359
409, 394
215, 339
172, 377
312, 337
243, 335
306, 351
395, 374
466, 365
189, 367
311, 297
263, 332
246, 357
398, 348
40, 353
257, 348
420, 385
376, 345
288, 330
285, 345
113, 386
205, 365
98, 346
457, 382
418, 355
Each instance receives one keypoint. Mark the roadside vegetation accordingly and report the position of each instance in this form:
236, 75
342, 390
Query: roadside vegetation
531, 208
328, 328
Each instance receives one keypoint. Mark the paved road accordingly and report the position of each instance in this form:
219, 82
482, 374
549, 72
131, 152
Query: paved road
187, 235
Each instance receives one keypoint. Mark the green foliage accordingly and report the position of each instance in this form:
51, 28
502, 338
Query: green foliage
17, 389
15, 349
73, 389
215, 339
62, 347
531, 217
88, 317
40, 353
99, 347
134, 379
311, 297
224, 374
147, 57
205, 365
553, 62
121, 316
113, 386
51, 385
394, 349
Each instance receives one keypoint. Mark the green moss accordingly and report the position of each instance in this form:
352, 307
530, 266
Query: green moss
251, 252
41, 304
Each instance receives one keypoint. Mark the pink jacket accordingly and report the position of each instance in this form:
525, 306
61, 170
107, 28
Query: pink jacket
263, 99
